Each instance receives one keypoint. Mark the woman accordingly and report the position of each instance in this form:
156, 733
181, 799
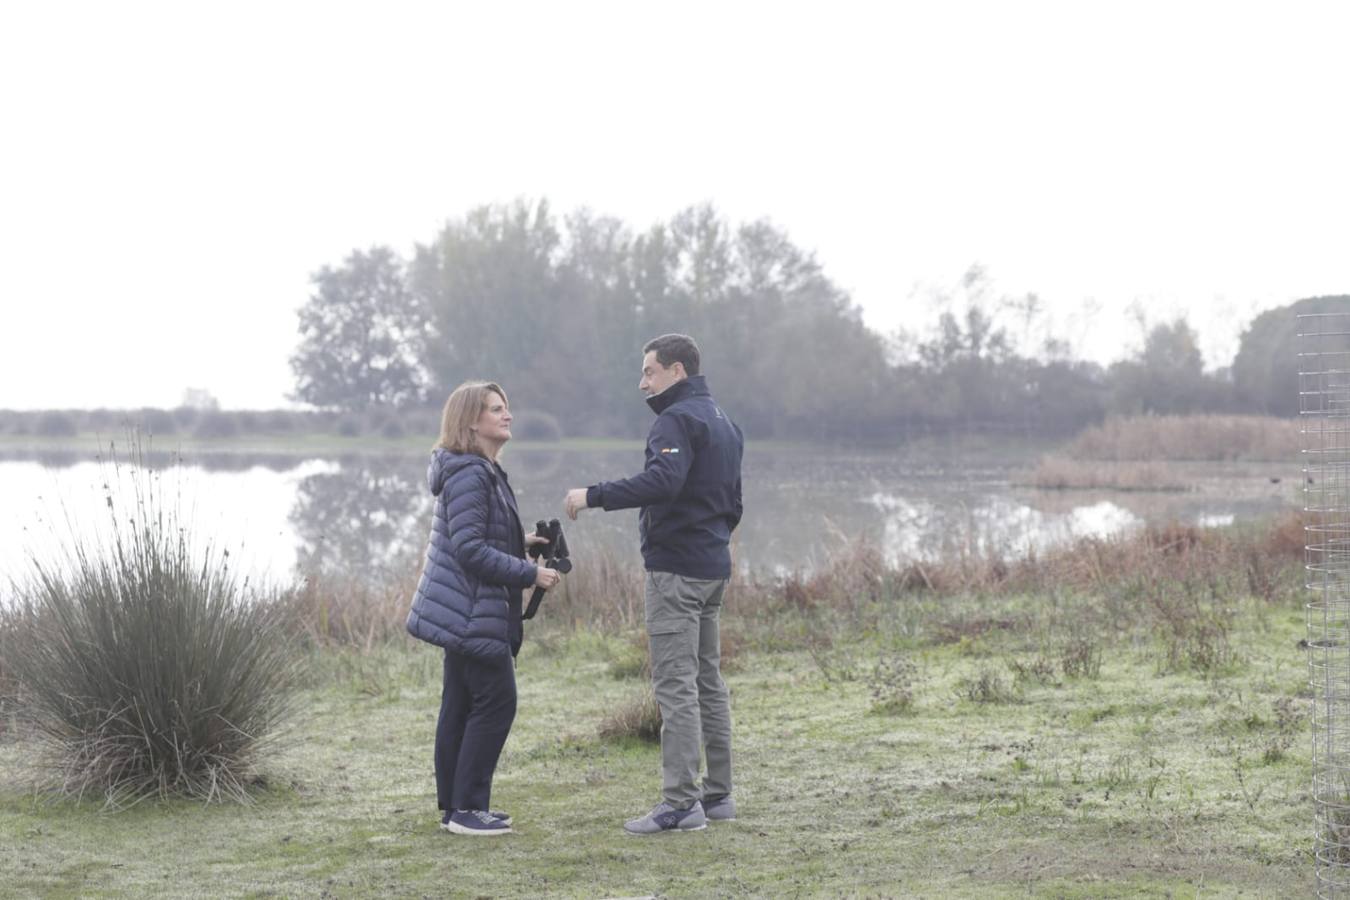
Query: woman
468, 601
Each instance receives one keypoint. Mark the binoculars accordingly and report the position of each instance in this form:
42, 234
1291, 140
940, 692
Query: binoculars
554, 554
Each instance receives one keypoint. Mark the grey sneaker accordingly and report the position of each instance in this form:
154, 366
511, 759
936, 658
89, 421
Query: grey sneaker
665, 817
720, 809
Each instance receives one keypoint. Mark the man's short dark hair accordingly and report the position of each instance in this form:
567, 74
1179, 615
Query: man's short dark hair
674, 348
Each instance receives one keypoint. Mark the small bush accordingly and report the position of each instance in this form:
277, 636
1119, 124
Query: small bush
1290, 725
145, 667
1038, 670
987, 686
392, 429
640, 719
1194, 629
1081, 658
837, 663
893, 683
349, 426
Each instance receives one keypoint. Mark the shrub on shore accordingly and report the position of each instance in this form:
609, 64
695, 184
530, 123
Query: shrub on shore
145, 667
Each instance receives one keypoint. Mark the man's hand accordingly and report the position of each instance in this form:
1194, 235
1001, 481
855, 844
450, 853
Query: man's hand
574, 502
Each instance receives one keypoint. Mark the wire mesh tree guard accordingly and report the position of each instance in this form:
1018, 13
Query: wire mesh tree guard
1324, 413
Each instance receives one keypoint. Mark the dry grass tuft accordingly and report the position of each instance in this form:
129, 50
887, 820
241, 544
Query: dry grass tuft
336, 611
602, 592
639, 719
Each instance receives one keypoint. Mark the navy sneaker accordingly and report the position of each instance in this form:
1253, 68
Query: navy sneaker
477, 822
720, 809
505, 817
665, 817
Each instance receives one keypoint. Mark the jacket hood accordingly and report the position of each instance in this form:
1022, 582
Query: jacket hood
445, 463
692, 386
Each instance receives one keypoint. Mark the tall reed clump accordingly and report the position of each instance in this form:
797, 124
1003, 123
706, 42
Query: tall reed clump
145, 667
7, 683
1193, 437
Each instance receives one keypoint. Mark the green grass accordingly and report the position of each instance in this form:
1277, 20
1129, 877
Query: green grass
1147, 780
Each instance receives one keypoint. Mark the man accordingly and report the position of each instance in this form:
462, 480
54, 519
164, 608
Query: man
690, 495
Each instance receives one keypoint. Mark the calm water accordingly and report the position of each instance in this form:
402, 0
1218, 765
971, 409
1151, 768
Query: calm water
286, 515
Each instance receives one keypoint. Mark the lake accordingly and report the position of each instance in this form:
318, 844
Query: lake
282, 515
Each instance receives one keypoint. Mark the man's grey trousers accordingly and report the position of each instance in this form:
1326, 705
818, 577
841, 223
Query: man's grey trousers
686, 651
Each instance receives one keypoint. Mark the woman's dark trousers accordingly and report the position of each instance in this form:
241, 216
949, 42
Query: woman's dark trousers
478, 704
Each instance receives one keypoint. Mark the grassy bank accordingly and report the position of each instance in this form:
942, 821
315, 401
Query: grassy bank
1123, 718
1136, 781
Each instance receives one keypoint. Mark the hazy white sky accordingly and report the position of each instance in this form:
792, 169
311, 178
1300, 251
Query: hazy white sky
171, 174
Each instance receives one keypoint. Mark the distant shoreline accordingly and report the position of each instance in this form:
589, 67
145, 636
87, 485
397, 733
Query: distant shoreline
12, 445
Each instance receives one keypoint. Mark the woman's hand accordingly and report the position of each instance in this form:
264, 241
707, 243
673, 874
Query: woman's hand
545, 577
532, 539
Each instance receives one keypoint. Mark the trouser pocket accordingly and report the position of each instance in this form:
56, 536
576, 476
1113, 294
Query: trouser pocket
672, 626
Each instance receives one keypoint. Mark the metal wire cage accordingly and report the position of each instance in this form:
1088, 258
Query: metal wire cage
1324, 411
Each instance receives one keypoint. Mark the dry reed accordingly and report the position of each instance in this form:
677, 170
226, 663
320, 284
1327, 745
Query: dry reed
329, 610
1063, 473
605, 595
1197, 437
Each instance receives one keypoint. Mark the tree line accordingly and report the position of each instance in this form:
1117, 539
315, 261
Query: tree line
558, 307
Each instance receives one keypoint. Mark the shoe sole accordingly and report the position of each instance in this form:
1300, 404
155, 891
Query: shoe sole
474, 832
665, 830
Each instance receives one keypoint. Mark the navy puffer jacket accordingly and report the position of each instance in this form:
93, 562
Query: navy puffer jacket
468, 599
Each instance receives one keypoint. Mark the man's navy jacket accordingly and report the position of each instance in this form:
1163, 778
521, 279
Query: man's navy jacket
690, 487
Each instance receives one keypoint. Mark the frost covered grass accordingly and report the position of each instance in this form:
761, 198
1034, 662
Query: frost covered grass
975, 745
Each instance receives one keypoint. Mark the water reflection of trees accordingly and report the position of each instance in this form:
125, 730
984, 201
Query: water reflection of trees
154, 458
369, 519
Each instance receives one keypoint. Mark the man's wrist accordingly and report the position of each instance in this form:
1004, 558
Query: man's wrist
594, 496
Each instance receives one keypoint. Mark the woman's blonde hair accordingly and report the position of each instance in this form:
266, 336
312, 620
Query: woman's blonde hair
462, 410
